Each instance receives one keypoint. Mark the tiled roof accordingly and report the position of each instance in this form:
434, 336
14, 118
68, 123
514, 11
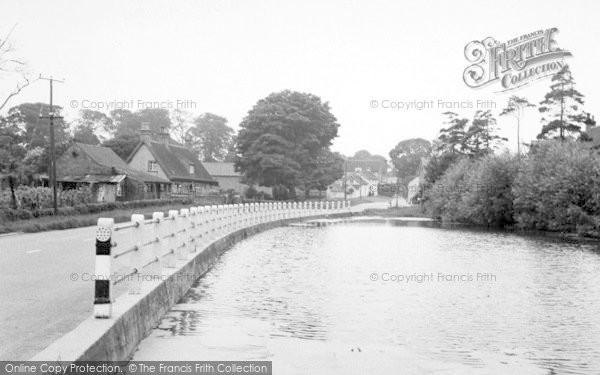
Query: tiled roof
106, 157
175, 162
368, 175
221, 169
102, 155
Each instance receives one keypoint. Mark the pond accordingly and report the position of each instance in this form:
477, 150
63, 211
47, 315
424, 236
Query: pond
394, 297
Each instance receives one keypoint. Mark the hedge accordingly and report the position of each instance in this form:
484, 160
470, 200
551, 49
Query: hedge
9, 214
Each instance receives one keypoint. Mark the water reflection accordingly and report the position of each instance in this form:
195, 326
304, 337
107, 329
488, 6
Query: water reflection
304, 298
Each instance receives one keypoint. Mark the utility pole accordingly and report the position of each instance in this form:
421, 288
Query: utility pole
52, 116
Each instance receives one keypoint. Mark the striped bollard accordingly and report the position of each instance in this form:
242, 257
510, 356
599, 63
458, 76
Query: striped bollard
102, 272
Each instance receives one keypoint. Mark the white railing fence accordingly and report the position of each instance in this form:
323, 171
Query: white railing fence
141, 249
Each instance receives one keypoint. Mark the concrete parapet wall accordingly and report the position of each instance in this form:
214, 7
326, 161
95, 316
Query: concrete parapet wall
135, 315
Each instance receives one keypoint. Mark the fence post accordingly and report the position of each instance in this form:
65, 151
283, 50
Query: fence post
172, 239
212, 213
253, 214
194, 230
103, 279
136, 257
228, 218
157, 246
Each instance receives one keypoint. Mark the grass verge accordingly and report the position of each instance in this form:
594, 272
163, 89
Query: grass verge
46, 223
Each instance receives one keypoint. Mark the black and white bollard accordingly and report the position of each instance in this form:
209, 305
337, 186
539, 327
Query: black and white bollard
102, 287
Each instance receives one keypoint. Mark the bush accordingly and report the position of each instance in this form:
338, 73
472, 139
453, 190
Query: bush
475, 191
74, 197
558, 189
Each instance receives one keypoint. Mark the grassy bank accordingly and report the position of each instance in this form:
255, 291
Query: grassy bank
413, 211
46, 223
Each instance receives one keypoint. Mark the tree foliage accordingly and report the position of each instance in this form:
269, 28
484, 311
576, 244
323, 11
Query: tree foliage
366, 161
282, 139
558, 189
453, 137
476, 191
407, 157
562, 108
481, 138
210, 137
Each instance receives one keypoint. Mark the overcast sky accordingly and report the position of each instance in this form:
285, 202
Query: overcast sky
225, 55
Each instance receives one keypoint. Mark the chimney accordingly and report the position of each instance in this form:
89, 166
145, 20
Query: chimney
164, 136
145, 133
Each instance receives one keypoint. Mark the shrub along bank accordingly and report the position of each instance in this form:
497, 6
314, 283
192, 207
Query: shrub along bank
556, 187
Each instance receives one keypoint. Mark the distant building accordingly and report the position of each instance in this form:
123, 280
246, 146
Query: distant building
159, 155
224, 173
358, 184
107, 174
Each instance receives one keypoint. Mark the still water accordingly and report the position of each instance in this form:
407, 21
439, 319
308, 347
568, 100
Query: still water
375, 298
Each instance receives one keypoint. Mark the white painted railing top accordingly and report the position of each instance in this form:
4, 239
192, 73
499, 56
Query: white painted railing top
139, 250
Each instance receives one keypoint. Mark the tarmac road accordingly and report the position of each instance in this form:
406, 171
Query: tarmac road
40, 303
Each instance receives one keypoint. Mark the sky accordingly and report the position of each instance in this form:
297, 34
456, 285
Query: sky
360, 56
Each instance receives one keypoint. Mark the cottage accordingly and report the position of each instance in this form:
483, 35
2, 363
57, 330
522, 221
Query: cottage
107, 174
161, 156
224, 173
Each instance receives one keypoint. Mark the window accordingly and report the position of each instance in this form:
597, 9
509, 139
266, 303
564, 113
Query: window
119, 189
152, 166
192, 171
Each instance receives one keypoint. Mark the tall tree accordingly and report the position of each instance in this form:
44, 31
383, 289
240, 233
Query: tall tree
516, 107
452, 137
328, 168
562, 107
93, 126
211, 137
365, 160
125, 122
481, 138
36, 130
282, 137
181, 123
407, 157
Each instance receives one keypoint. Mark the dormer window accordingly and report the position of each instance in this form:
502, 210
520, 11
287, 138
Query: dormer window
152, 166
192, 170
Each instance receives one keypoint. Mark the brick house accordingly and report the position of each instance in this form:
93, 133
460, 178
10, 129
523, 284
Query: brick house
159, 155
109, 177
